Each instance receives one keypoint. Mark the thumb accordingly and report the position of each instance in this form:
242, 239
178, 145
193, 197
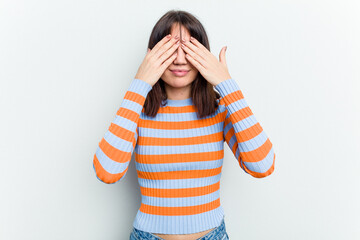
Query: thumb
222, 55
148, 50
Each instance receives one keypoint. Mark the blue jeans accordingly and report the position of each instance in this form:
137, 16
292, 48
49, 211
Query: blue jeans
218, 233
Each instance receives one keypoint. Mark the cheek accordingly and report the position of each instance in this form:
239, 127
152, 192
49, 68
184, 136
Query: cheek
194, 72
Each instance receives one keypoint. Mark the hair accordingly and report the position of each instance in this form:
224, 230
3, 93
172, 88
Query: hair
202, 93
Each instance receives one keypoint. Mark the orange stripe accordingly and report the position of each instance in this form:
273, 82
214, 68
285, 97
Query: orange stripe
249, 133
179, 157
172, 109
180, 192
257, 154
153, 141
135, 97
233, 97
228, 136
264, 174
230, 133
104, 175
114, 153
128, 114
186, 174
121, 132
246, 134
178, 211
181, 124
234, 148
241, 114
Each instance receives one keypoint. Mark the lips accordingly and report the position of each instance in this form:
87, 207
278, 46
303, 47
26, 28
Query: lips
179, 72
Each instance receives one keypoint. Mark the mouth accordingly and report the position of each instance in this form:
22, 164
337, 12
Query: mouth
179, 73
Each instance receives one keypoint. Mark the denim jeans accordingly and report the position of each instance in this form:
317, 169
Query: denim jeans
218, 233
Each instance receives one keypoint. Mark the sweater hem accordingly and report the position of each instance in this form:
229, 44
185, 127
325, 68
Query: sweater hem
187, 224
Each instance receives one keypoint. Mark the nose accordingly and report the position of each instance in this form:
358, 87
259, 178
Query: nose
180, 58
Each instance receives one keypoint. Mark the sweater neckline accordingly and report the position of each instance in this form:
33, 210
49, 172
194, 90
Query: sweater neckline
179, 102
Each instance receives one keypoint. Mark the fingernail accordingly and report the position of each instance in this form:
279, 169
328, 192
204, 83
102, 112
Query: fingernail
191, 38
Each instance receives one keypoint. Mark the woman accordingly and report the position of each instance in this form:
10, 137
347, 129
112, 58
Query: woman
175, 123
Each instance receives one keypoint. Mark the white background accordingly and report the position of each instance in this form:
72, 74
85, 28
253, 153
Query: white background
66, 65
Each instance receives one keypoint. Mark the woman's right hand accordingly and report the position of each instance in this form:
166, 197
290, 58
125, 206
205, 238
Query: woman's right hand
157, 60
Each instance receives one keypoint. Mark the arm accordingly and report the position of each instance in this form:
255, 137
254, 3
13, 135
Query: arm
243, 134
113, 155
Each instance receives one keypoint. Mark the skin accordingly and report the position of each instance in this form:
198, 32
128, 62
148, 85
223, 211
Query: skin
191, 55
188, 54
179, 87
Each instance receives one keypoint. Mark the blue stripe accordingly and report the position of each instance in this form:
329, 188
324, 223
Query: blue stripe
251, 144
179, 183
181, 202
182, 166
238, 105
125, 123
179, 224
118, 143
245, 123
181, 133
196, 148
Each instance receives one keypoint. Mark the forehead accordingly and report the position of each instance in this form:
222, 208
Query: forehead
179, 30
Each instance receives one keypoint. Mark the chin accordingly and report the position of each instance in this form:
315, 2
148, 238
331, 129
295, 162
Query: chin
178, 83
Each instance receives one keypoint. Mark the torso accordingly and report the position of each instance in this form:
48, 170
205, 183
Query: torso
192, 236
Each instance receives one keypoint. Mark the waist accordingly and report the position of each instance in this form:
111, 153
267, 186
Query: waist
212, 233
179, 224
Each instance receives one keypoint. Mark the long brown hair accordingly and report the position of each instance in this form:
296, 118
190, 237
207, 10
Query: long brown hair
202, 92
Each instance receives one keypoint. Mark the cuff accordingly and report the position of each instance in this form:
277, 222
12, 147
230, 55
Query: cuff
139, 86
226, 87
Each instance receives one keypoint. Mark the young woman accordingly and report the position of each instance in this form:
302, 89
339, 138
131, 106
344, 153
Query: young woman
175, 123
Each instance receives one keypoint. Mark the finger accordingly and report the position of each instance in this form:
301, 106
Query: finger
222, 55
197, 50
169, 52
198, 44
163, 41
164, 48
195, 63
195, 56
167, 63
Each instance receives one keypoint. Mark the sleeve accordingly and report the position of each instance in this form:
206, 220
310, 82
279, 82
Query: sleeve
244, 134
112, 157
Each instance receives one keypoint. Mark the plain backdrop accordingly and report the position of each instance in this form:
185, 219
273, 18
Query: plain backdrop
66, 65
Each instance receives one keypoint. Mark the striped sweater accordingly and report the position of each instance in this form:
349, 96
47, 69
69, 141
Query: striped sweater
179, 157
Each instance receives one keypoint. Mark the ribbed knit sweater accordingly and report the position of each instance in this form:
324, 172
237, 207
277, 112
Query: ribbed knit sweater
179, 157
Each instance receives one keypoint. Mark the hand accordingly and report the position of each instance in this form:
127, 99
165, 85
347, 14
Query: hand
207, 64
158, 60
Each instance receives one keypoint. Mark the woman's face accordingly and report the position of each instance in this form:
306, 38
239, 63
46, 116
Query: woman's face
180, 79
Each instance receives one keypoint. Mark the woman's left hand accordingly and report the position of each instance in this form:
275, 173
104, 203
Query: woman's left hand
211, 69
